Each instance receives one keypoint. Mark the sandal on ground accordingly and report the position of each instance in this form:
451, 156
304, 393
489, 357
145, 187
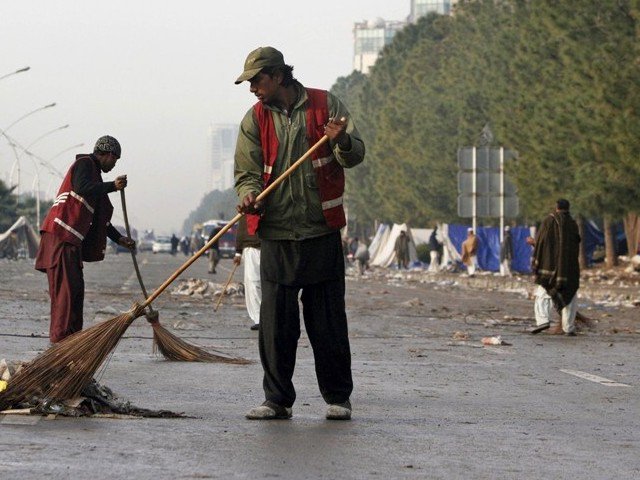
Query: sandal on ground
269, 411
339, 411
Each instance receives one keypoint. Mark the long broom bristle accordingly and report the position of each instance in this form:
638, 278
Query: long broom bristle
174, 348
62, 371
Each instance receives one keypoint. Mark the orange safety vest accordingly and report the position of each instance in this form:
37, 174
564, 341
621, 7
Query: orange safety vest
78, 220
329, 173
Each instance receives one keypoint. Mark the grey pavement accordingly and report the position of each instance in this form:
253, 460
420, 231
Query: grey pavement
425, 404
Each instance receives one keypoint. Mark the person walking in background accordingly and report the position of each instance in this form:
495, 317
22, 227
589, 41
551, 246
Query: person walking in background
401, 248
248, 252
174, 244
556, 269
214, 251
299, 228
434, 251
362, 257
470, 252
76, 230
184, 245
506, 253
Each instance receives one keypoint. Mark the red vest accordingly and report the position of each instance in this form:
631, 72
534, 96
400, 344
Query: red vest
329, 173
80, 221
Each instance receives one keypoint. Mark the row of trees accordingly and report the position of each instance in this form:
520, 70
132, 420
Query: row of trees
556, 80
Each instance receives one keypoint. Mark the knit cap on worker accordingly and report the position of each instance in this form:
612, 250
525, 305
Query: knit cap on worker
108, 144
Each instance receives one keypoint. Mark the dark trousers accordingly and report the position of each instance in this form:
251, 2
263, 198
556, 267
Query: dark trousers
66, 290
324, 317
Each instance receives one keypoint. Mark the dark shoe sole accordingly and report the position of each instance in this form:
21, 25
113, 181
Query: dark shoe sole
539, 329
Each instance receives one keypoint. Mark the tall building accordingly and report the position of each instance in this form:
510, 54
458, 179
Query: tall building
370, 37
420, 8
223, 146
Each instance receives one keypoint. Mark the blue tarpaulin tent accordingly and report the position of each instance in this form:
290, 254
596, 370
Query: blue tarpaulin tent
489, 246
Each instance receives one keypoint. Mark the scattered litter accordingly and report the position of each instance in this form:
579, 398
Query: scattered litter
95, 399
460, 335
495, 340
8, 369
414, 302
203, 288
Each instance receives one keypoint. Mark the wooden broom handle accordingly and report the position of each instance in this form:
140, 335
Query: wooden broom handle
233, 221
226, 285
133, 252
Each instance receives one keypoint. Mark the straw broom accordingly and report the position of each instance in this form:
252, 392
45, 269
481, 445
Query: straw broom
62, 371
171, 346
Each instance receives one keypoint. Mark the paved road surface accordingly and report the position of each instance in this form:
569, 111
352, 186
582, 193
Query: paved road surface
425, 405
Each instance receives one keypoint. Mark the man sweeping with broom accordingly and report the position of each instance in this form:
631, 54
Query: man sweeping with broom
299, 228
76, 230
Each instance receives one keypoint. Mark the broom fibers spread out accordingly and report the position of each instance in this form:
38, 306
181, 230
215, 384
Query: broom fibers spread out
174, 348
62, 371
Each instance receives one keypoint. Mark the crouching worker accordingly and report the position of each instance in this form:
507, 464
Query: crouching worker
76, 230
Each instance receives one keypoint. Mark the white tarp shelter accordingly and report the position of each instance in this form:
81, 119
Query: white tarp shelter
25, 235
382, 248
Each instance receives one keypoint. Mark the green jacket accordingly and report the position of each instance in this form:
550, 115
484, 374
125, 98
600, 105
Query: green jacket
293, 210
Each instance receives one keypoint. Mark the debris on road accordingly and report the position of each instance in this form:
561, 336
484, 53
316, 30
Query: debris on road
495, 340
205, 288
95, 399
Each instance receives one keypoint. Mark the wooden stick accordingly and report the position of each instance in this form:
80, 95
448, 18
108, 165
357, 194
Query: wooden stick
224, 290
233, 221
133, 252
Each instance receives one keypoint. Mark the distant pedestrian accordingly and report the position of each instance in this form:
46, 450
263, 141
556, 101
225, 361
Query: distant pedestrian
556, 269
361, 256
470, 252
214, 251
401, 248
174, 244
184, 245
506, 253
434, 251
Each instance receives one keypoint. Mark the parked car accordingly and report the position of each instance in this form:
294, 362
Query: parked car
145, 241
161, 245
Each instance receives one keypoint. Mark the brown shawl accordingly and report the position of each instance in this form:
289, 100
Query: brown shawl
555, 258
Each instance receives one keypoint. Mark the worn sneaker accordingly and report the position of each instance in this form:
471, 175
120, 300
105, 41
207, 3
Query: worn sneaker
269, 411
339, 411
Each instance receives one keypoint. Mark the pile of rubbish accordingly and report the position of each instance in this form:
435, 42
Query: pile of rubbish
95, 400
204, 288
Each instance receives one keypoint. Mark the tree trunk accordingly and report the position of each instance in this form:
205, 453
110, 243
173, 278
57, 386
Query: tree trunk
582, 256
611, 259
632, 232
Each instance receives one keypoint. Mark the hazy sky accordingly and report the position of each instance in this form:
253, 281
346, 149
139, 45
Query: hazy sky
156, 75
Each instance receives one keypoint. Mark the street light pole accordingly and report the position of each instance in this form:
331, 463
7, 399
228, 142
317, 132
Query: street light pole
16, 72
26, 150
4, 130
